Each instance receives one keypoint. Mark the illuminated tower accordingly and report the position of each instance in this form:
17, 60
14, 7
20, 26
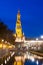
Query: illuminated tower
18, 26
18, 30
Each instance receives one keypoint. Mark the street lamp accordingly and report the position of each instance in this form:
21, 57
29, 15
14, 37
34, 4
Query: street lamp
37, 43
2, 40
41, 36
37, 62
2, 43
36, 39
32, 59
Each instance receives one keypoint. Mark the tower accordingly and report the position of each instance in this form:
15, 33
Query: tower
18, 29
18, 26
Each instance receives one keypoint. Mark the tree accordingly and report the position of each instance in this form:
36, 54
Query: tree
6, 34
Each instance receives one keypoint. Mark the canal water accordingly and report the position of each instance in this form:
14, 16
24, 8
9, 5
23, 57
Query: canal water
29, 62
32, 60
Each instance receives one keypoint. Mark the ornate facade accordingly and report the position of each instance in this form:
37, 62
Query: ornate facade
18, 30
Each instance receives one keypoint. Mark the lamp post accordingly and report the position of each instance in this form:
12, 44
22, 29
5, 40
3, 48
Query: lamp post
41, 36
37, 43
2, 43
2, 49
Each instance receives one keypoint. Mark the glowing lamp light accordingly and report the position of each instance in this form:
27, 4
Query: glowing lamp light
28, 57
9, 57
0, 45
32, 59
2, 40
25, 56
36, 38
1, 64
41, 36
37, 62
5, 61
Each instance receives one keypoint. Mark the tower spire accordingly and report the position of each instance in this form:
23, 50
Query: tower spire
18, 15
18, 11
19, 34
18, 26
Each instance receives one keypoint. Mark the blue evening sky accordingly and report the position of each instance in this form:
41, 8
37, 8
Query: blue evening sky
31, 15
